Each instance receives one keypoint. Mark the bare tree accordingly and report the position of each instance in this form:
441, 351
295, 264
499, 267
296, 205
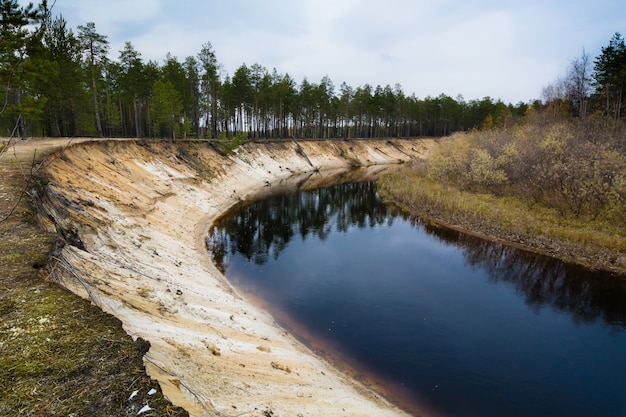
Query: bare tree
555, 97
578, 83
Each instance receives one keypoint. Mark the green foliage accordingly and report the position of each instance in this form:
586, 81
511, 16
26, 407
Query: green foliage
610, 76
20, 43
228, 145
67, 110
95, 47
166, 110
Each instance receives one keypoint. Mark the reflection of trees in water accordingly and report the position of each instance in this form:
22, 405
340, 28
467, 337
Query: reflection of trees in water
587, 295
264, 229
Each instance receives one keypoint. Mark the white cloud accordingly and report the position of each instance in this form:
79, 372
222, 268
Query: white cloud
505, 49
113, 12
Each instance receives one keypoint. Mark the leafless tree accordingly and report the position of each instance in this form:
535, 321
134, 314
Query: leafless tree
578, 83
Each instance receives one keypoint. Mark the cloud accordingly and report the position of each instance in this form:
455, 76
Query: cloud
500, 48
116, 11
111, 16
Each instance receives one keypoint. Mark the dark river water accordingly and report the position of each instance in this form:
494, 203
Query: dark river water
446, 323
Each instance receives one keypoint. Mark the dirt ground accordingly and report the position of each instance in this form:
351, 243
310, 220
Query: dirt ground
126, 222
59, 354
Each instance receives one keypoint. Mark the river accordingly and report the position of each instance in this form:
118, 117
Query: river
445, 323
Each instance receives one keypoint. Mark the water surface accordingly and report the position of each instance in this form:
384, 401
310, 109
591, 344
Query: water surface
452, 325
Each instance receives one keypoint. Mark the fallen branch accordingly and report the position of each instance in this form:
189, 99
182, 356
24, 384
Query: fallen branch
71, 271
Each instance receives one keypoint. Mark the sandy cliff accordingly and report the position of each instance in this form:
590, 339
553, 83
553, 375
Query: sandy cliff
134, 216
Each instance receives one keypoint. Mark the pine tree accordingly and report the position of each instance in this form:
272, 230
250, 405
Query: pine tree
210, 84
21, 30
610, 75
95, 47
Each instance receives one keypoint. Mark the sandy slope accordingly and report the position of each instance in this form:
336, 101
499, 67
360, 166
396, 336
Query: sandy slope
134, 217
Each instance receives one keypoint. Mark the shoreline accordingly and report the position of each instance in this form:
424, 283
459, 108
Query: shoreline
135, 216
351, 368
553, 243
581, 261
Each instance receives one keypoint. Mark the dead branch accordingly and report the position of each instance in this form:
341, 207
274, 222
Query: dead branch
72, 271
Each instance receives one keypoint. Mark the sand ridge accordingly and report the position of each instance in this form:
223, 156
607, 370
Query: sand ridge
134, 216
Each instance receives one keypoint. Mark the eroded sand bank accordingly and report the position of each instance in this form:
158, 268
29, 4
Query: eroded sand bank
134, 217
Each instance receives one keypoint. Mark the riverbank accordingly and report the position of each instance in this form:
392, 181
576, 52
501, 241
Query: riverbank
595, 245
134, 216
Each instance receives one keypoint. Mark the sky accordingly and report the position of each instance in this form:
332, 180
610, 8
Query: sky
507, 50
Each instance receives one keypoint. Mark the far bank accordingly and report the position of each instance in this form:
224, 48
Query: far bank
511, 221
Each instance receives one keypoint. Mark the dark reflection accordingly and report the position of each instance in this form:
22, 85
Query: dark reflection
585, 294
263, 229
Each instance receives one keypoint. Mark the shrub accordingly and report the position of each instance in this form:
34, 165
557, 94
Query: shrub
228, 145
483, 170
571, 166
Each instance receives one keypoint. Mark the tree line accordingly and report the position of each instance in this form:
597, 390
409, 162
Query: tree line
55, 81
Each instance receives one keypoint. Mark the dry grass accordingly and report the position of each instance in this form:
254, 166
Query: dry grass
59, 354
591, 243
